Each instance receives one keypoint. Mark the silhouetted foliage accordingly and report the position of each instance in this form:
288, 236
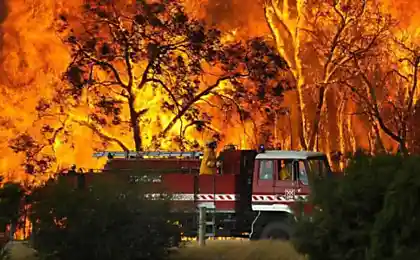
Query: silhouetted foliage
36, 160
106, 219
370, 213
260, 94
11, 195
397, 226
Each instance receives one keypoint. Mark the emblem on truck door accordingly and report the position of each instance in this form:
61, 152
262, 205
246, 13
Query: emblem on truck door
289, 194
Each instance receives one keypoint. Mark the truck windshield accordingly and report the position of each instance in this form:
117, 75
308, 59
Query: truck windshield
317, 167
312, 168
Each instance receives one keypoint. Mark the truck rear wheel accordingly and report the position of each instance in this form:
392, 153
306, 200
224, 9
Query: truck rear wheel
277, 231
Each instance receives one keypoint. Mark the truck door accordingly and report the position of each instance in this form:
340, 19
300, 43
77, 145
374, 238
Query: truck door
263, 177
285, 181
303, 172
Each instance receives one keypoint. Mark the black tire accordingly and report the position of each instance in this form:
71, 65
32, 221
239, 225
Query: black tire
276, 231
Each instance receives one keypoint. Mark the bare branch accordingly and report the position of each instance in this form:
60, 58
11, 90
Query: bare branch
198, 97
144, 77
335, 40
237, 105
128, 66
374, 104
103, 63
101, 133
163, 85
413, 89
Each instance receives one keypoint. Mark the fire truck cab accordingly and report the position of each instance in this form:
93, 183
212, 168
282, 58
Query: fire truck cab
280, 180
254, 193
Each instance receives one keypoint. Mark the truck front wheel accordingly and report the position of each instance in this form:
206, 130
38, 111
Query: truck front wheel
277, 231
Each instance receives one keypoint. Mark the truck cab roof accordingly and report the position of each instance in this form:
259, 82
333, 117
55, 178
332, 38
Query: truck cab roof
282, 154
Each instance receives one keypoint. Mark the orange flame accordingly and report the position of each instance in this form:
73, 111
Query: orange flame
33, 58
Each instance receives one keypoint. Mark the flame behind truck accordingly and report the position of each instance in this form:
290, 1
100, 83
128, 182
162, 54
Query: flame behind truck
252, 195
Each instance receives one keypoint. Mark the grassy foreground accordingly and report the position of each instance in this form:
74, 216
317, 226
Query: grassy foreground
214, 250
238, 250
19, 250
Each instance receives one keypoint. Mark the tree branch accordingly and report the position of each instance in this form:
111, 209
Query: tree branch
335, 40
237, 105
413, 89
205, 92
103, 63
101, 133
163, 85
129, 68
144, 77
374, 103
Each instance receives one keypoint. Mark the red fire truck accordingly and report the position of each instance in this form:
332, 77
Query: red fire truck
252, 194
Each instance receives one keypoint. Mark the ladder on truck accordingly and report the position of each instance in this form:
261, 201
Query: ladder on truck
148, 154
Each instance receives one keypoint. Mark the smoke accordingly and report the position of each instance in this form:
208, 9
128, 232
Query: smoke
32, 57
406, 11
3, 10
3, 15
246, 17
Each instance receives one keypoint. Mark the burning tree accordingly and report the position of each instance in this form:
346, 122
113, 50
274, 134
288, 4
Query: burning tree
158, 66
385, 87
128, 54
37, 160
257, 98
319, 39
152, 70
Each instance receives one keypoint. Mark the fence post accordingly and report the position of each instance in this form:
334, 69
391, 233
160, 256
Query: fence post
202, 226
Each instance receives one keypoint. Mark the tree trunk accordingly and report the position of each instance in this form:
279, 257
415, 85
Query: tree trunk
301, 116
341, 126
351, 135
403, 148
379, 145
404, 133
317, 118
134, 121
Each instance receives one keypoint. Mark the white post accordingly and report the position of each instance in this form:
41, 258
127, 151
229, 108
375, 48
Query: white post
202, 226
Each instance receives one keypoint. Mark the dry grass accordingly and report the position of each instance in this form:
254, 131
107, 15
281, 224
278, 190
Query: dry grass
238, 250
214, 250
19, 250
